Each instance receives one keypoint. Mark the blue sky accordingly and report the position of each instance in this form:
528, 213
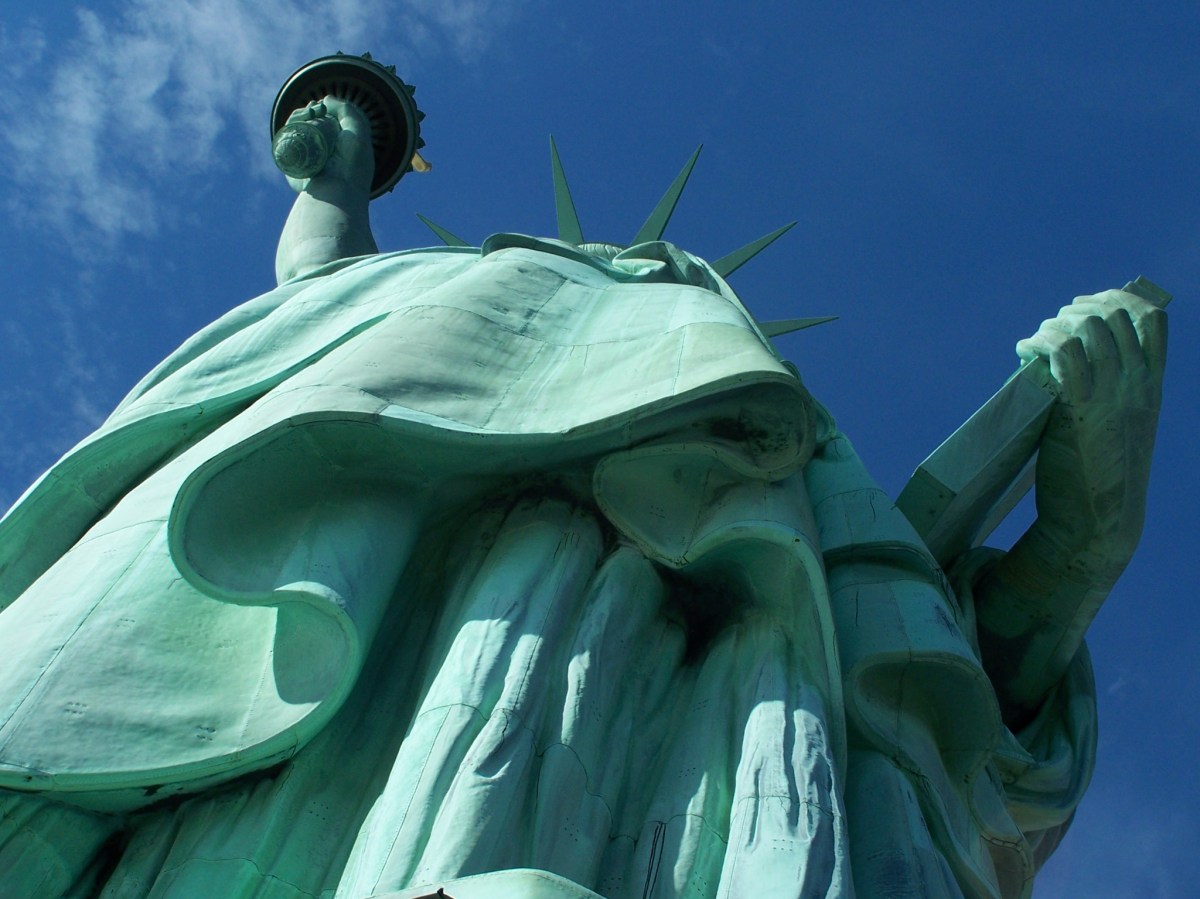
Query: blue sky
958, 171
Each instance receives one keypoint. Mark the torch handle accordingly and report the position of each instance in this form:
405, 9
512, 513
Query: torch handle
301, 149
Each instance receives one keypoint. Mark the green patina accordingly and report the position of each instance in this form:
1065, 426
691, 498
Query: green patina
532, 570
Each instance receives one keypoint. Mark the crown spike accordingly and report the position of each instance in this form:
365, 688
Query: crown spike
656, 224
788, 325
564, 207
450, 240
727, 265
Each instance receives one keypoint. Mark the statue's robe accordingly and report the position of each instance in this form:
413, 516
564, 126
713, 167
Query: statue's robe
447, 562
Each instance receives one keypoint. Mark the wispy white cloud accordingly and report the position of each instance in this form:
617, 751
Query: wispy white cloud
98, 124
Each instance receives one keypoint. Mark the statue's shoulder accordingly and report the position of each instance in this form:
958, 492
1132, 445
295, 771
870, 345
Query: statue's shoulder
330, 286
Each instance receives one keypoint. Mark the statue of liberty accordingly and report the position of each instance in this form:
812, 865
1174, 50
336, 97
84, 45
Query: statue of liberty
532, 570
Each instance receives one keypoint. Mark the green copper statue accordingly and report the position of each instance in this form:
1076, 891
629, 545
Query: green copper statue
531, 570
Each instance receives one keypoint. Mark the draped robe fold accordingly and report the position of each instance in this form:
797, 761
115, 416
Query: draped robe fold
453, 561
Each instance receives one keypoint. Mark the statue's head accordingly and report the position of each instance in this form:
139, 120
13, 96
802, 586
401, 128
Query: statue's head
647, 247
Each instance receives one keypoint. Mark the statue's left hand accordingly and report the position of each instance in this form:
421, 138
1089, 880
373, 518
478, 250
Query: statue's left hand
1106, 353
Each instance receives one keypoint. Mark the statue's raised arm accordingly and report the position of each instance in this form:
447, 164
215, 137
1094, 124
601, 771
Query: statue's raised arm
330, 218
1106, 354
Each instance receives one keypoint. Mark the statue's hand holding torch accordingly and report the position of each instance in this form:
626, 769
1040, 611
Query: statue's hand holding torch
328, 138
